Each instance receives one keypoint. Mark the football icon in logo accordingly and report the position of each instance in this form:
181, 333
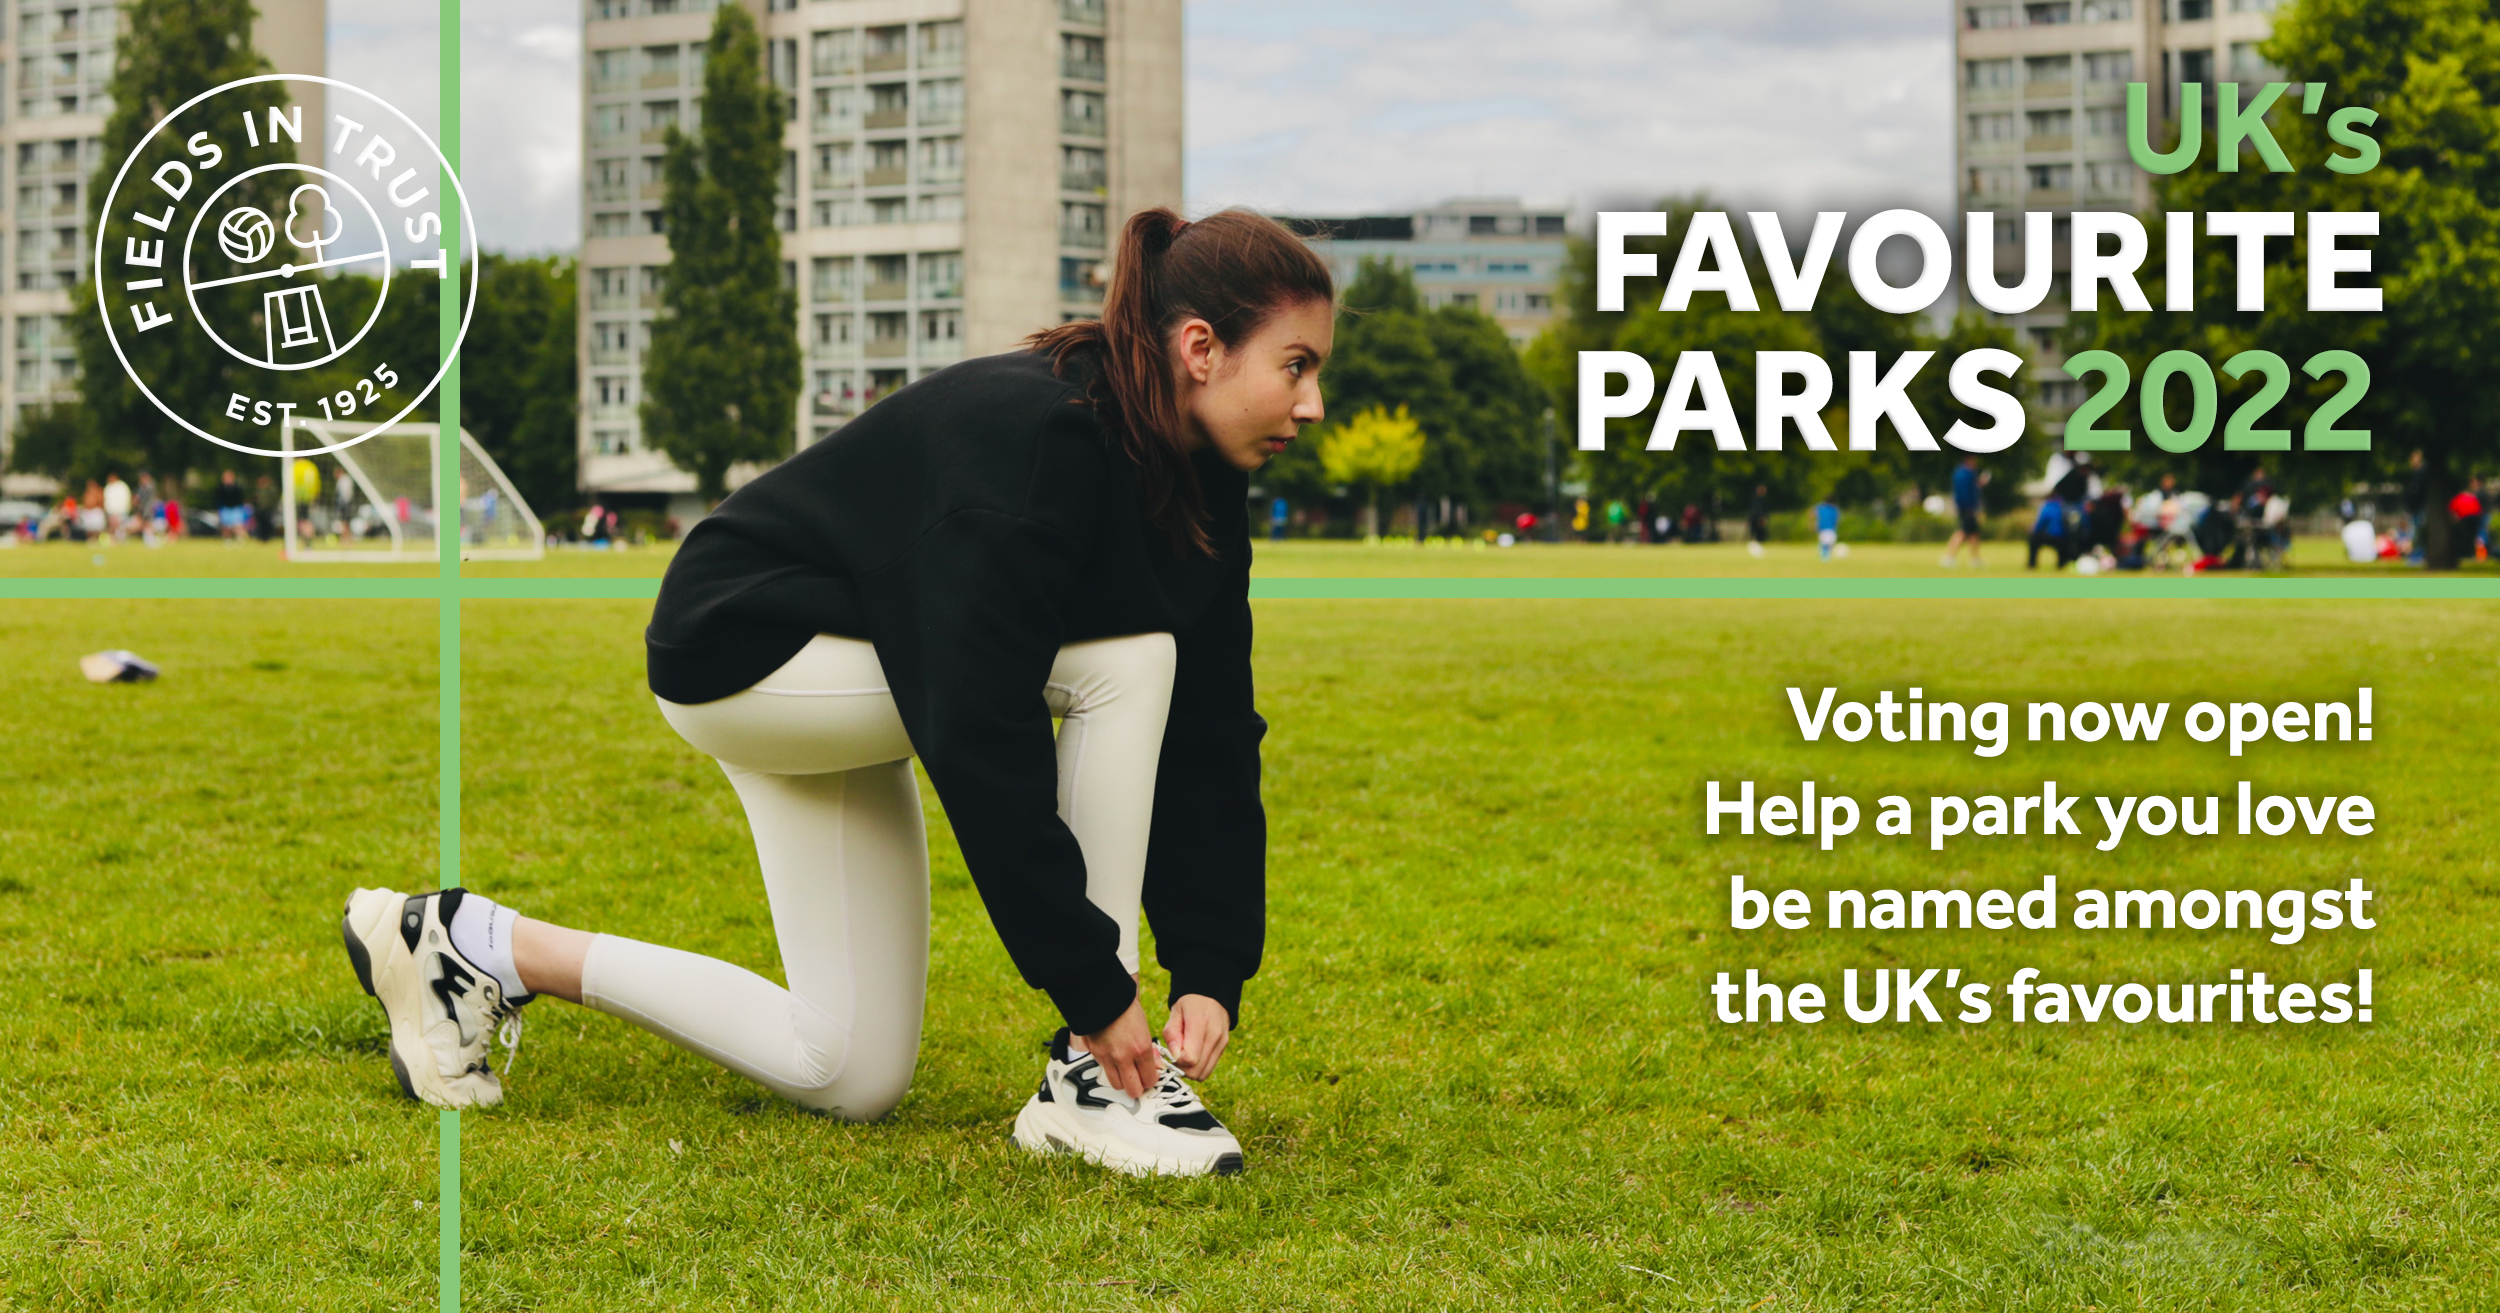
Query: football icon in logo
246, 235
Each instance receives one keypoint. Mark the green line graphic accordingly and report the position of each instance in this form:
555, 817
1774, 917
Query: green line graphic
448, 538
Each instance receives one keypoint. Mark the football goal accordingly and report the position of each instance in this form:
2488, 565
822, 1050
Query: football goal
375, 501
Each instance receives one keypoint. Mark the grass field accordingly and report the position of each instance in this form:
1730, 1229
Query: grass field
1297, 558
187, 1112
1478, 1071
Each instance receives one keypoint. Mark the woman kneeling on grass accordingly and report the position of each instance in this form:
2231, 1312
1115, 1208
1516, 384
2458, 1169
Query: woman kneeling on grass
1059, 531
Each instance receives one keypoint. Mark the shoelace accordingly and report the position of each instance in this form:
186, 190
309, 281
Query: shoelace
507, 1017
1173, 1089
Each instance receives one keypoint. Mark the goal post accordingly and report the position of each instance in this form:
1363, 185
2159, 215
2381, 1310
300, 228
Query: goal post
376, 500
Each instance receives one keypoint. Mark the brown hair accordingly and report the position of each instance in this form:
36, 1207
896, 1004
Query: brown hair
1235, 269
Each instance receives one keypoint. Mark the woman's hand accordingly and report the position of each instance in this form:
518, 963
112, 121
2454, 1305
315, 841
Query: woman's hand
1126, 1051
1196, 1032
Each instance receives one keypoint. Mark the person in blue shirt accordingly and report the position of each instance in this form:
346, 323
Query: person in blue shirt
2050, 530
1277, 513
1968, 479
1827, 528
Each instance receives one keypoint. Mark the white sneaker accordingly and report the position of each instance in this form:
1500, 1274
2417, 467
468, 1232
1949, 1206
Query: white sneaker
1167, 1133
443, 1009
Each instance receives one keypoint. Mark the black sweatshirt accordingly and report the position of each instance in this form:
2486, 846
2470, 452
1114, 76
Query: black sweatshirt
969, 526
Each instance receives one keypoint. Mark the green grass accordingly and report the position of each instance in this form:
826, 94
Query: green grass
188, 1111
1295, 558
1478, 1071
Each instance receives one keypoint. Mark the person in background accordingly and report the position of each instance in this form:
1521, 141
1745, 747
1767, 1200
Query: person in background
1968, 479
2049, 530
1827, 528
595, 524
2473, 519
233, 506
2417, 499
1758, 519
1278, 512
116, 502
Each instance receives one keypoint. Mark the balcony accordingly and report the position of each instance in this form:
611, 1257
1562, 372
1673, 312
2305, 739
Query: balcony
886, 61
1082, 70
1081, 238
893, 177
2062, 89
1089, 182
889, 348
827, 180
607, 193
612, 355
611, 300
890, 290
655, 80
878, 119
2056, 142
1082, 11
656, 136
1080, 125
842, 349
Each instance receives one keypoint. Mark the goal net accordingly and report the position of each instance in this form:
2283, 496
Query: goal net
375, 501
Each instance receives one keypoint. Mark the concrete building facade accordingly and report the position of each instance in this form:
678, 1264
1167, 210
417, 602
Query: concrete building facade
59, 56
1494, 255
2041, 117
954, 173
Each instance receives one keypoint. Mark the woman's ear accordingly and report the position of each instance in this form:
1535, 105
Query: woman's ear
1196, 344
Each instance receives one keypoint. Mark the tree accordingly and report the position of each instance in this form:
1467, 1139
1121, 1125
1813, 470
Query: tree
1375, 447
2430, 69
1453, 369
721, 380
520, 393
168, 52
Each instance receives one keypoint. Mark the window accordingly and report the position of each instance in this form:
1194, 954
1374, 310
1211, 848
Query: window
2051, 177
830, 278
610, 179
941, 159
836, 213
836, 109
887, 275
659, 66
1987, 16
2049, 68
941, 328
836, 165
2249, 66
2050, 122
1082, 168
609, 69
2057, 394
1081, 225
2105, 121
942, 45
613, 390
2191, 11
942, 207
2103, 67
894, 209
611, 223
888, 163
1987, 74
889, 105
608, 124
658, 116
1080, 280
889, 326
835, 332
2253, 6
887, 48
1992, 127
1549, 225
1081, 113
831, 54
1081, 57
942, 101
941, 275
611, 287
2107, 11
2196, 66
2044, 15
1992, 182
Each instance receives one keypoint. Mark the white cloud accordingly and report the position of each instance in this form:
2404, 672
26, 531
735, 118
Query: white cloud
1373, 104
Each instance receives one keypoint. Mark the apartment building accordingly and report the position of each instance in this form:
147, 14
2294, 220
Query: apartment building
2041, 116
59, 56
953, 172
1494, 255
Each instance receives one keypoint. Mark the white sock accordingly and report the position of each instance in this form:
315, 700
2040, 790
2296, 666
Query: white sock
481, 929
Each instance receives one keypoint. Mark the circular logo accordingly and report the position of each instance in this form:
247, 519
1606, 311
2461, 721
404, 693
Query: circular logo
258, 267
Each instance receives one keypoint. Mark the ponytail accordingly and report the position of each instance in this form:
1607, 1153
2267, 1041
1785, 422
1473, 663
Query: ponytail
1234, 269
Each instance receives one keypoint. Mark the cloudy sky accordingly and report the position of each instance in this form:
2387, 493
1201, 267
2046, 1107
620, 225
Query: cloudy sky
1356, 105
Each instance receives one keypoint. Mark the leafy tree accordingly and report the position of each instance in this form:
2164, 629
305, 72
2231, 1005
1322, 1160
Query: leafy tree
721, 380
169, 51
519, 392
2430, 69
1375, 447
1456, 373
59, 441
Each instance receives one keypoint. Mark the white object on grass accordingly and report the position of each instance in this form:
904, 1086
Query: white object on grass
117, 667
2360, 542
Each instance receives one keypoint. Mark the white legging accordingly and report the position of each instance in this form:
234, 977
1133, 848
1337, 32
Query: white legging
817, 753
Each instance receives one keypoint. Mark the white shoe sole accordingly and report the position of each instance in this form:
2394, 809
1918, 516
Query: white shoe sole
1045, 1128
389, 972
